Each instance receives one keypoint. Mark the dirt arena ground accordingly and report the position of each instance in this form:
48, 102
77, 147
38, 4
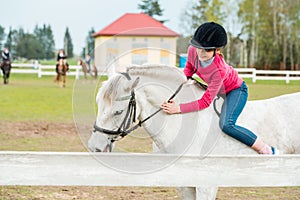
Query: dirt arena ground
44, 136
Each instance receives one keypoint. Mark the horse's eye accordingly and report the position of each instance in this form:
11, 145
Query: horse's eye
118, 112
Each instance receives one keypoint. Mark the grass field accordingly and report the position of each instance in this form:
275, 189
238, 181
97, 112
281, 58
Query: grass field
28, 98
35, 114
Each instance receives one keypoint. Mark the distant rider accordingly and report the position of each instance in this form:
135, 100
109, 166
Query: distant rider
6, 65
61, 57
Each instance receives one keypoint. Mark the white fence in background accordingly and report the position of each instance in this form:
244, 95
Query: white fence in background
46, 70
254, 74
136, 169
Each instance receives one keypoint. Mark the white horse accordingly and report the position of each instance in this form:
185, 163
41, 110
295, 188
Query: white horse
273, 120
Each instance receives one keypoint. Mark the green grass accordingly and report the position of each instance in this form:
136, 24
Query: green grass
28, 98
268, 89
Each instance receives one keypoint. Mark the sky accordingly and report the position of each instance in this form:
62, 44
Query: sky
79, 16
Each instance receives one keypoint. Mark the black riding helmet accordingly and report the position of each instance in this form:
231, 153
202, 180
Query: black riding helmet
209, 35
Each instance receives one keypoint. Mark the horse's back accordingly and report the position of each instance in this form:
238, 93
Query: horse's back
274, 121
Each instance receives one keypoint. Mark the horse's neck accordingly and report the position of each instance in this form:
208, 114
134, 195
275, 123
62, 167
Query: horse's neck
172, 133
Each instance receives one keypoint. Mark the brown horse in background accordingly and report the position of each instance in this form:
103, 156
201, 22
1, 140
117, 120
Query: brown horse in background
93, 72
61, 71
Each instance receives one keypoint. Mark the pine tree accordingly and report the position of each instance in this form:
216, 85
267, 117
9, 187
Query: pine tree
90, 43
50, 43
68, 45
2, 35
151, 8
9, 43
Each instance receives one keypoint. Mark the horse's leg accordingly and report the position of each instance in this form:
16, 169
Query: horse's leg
187, 193
64, 80
59, 79
96, 73
8, 73
206, 193
5, 75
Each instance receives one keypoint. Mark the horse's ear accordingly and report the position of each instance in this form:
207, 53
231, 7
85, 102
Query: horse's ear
135, 83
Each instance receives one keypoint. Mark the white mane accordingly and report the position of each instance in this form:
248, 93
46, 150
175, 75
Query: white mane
109, 90
157, 71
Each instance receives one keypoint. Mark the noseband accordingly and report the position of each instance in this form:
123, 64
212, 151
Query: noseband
124, 129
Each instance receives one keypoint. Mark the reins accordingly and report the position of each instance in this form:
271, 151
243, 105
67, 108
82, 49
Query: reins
124, 129
130, 115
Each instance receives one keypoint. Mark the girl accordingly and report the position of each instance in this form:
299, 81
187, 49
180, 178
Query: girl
61, 57
205, 60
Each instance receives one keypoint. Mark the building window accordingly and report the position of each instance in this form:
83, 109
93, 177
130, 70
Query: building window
112, 52
139, 53
164, 57
164, 52
138, 59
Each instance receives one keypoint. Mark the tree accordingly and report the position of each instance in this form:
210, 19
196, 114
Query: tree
271, 33
26, 45
202, 11
194, 15
45, 37
2, 35
151, 8
10, 43
68, 45
90, 43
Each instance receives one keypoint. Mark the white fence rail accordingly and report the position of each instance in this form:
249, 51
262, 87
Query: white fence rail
254, 74
75, 70
44, 70
120, 169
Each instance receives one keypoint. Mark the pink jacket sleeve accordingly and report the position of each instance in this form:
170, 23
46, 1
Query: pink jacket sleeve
213, 88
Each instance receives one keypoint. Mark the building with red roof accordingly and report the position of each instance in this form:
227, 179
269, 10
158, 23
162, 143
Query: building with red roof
134, 38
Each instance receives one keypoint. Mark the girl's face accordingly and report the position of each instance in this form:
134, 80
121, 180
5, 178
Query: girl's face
205, 55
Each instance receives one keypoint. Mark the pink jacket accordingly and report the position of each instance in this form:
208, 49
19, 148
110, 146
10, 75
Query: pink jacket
220, 77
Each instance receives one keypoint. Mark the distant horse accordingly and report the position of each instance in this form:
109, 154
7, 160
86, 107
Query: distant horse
139, 94
86, 70
5, 67
61, 71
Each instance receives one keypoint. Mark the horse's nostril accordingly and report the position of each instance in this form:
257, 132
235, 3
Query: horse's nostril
98, 150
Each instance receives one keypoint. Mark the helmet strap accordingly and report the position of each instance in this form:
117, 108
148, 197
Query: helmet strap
215, 50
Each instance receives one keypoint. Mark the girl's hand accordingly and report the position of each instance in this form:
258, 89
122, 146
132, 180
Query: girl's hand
170, 107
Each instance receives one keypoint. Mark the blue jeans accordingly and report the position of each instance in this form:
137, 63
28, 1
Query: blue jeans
233, 106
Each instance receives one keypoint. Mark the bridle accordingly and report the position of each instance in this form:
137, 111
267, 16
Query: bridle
124, 128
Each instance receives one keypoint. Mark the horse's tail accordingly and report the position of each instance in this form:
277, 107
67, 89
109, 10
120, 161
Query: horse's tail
95, 71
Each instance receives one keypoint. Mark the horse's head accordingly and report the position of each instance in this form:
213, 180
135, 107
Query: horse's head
79, 62
116, 110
